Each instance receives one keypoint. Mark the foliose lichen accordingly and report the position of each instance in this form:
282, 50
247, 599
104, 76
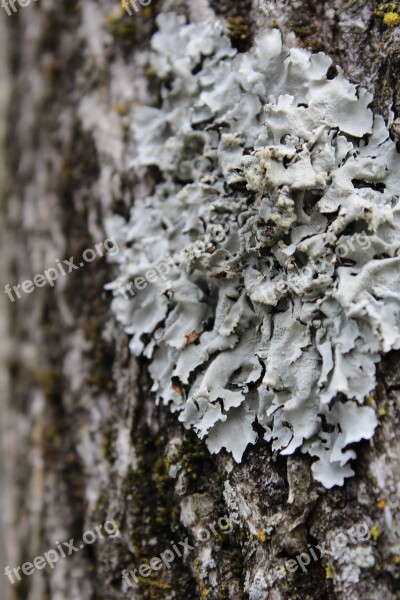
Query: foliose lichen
268, 166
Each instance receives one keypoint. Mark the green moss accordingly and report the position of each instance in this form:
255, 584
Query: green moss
50, 382
236, 562
122, 108
191, 455
161, 478
237, 28
72, 6
148, 12
99, 508
109, 446
161, 516
239, 32
49, 38
100, 354
315, 45
150, 480
154, 86
160, 585
203, 590
51, 438
349, 4
157, 519
13, 366
121, 26
53, 72
176, 515
302, 31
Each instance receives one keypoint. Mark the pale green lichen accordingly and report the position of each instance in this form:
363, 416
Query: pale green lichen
266, 321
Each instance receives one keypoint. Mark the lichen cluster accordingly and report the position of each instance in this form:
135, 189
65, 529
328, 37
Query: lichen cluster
271, 324
389, 13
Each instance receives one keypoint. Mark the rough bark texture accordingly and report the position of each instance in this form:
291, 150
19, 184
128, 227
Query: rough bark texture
85, 441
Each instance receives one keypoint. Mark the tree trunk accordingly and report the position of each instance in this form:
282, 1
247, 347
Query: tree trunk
85, 442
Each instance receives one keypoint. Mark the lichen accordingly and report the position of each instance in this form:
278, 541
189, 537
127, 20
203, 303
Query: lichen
374, 532
389, 13
391, 19
267, 321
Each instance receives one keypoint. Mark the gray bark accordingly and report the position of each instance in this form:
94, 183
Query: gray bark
84, 440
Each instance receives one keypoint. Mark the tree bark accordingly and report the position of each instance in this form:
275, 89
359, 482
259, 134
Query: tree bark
84, 440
